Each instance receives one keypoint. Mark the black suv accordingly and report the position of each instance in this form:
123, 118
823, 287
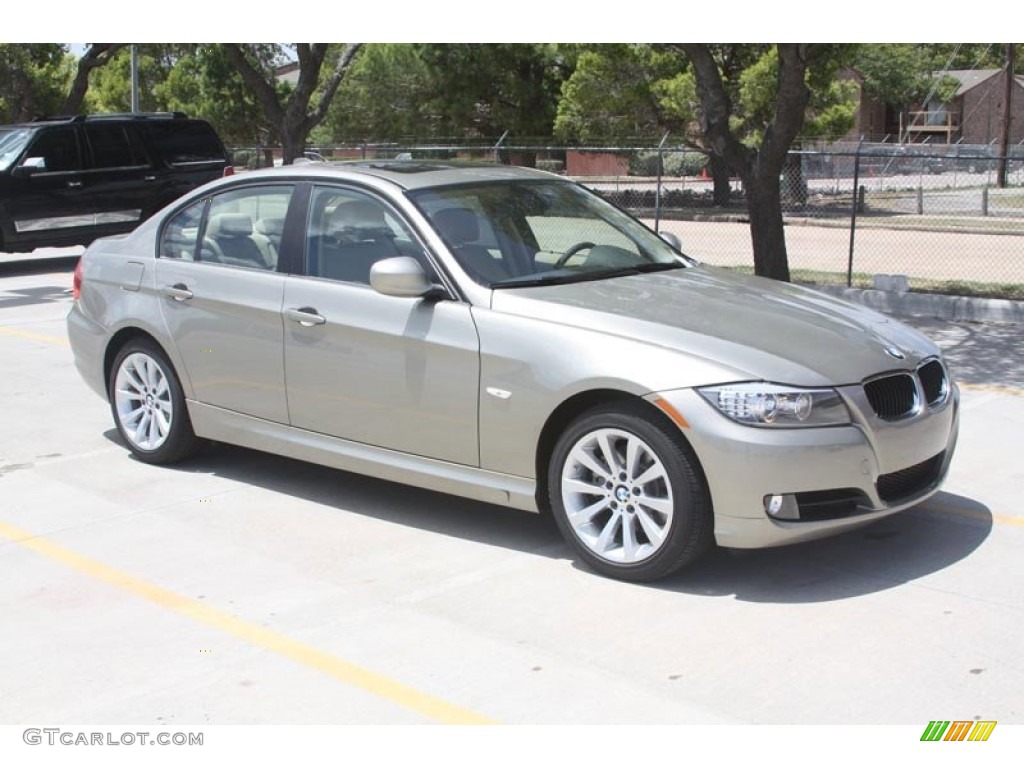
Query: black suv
67, 181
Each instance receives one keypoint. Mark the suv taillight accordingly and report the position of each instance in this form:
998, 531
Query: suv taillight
229, 170
76, 286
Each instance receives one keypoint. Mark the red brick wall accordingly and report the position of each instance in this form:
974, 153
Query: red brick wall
595, 164
983, 112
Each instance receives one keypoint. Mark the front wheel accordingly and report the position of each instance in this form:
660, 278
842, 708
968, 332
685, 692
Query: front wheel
148, 405
628, 495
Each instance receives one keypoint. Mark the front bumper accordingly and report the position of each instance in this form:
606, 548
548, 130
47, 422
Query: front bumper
849, 475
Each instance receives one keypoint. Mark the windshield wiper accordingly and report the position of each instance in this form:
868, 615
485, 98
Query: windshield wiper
548, 278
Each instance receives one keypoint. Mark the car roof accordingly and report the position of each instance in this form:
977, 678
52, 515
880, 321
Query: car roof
409, 174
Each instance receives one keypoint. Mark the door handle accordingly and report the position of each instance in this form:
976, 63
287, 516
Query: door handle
178, 292
149, 178
74, 184
305, 316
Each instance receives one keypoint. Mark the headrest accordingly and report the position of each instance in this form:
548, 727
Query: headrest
230, 225
356, 215
270, 227
458, 225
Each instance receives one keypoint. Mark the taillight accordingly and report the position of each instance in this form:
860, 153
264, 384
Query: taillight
229, 170
76, 287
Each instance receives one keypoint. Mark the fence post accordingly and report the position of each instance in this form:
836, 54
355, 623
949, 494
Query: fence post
497, 147
984, 200
853, 214
657, 189
920, 199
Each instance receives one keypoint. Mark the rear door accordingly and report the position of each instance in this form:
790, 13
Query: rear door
390, 372
121, 182
221, 293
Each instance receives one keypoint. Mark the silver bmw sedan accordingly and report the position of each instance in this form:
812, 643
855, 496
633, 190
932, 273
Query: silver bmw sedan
506, 335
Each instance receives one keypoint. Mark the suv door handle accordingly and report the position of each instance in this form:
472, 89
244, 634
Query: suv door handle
149, 178
305, 316
178, 292
74, 184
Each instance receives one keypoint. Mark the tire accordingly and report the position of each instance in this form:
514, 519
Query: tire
148, 405
638, 523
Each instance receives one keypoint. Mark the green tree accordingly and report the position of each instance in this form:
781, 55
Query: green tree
385, 96
485, 90
34, 79
620, 92
759, 163
202, 82
110, 87
95, 56
292, 113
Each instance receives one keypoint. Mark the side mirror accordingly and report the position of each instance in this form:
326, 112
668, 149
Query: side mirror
404, 278
671, 239
30, 166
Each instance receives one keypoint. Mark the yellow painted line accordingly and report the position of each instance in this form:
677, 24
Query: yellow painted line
993, 388
34, 336
974, 514
346, 672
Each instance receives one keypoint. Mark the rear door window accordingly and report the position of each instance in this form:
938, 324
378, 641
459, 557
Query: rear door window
115, 146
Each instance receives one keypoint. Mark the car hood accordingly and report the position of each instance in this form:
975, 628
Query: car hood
758, 328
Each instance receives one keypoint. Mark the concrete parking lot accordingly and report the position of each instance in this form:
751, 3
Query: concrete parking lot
246, 588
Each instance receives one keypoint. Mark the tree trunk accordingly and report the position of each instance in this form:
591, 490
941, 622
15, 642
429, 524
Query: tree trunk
721, 177
292, 144
764, 204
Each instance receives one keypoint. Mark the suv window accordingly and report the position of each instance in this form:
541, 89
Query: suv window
183, 143
59, 148
12, 141
114, 146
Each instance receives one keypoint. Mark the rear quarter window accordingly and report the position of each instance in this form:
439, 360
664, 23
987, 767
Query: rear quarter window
186, 143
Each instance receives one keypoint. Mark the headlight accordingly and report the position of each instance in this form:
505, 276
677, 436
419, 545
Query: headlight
775, 405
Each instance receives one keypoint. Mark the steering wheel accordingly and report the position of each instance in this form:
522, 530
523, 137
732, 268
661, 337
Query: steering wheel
572, 252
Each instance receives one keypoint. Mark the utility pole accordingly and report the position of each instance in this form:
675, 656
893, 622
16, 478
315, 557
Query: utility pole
1004, 138
135, 80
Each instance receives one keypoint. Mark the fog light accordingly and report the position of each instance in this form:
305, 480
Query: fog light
782, 506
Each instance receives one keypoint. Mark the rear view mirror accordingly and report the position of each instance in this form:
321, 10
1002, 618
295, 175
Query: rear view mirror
403, 277
30, 166
671, 239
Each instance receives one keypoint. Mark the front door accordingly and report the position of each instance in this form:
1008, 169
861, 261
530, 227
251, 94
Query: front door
401, 374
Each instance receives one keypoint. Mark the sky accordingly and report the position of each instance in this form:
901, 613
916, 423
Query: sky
461, 21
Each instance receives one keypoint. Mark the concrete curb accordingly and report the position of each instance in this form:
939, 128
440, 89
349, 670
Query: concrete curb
955, 308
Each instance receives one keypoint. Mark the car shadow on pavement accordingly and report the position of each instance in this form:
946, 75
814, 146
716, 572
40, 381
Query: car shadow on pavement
350, 493
907, 546
890, 552
980, 354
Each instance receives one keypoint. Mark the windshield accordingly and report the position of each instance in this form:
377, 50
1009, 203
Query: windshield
514, 234
12, 142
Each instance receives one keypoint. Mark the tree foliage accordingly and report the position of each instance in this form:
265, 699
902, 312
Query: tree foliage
293, 113
796, 66
34, 79
385, 97
619, 92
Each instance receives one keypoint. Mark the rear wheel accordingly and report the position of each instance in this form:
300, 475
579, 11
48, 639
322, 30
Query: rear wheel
148, 405
628, 494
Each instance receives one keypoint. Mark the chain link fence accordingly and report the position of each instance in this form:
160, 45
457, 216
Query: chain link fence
923, 217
